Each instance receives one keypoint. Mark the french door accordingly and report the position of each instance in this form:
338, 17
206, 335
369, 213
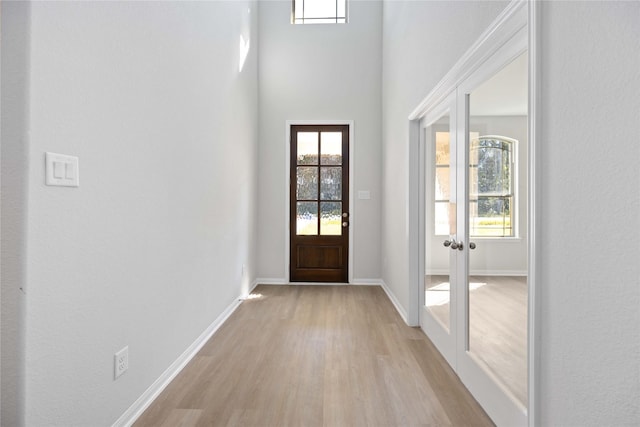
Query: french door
319, 203
475, 253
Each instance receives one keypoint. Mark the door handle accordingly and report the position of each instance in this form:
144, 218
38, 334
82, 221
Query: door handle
345, 215
472, 245
345, 224
454, 245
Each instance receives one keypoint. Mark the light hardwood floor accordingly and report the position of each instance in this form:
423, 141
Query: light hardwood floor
498, 319
316, 356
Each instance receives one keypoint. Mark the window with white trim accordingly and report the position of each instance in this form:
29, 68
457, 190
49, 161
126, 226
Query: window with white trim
319, 11
491, 187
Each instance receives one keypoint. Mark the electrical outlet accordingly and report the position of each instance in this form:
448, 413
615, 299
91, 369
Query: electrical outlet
121, 362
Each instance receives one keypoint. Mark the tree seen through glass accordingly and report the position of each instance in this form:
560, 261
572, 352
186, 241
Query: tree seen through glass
491, 187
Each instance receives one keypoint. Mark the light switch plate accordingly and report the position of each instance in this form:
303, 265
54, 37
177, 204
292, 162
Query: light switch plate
61, 170
364, 195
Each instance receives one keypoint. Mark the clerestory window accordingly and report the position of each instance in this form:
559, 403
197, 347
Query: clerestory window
319, 12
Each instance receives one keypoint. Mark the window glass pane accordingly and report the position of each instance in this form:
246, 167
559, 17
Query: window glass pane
307, 148
342, 10
442, 148
330, 218
490, 187
307, 187
318, 21
320, 9
490, 217
442, 184
442, 210
330, 183
331, 148
307, 219
298, 5
493, 168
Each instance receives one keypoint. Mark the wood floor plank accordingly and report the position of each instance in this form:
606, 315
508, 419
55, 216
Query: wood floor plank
316, 356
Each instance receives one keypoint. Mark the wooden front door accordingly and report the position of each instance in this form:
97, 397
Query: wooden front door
319, 211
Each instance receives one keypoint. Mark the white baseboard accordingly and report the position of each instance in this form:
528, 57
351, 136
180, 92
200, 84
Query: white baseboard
395, 302
516, 273
271, 281
253, 286
143, 402
367, 282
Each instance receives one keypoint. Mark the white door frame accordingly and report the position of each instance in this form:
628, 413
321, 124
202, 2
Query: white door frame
520, 16
287, 178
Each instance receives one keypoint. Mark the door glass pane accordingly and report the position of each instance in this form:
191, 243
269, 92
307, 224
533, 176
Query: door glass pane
438, 221
331, 148
497, 281
307, 148
331, 218
307, 186
307, 219
330, 183
441, 180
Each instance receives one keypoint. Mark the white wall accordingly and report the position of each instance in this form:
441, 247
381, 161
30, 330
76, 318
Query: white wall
421, 42
590, 283
149, 250
14, 128
319, 72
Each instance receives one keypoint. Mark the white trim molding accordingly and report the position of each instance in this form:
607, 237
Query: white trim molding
392, 297
499, 32
535, 197
367, 282
272, 281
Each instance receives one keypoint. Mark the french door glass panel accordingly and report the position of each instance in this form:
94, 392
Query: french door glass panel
438, 260
440, 220
496, 227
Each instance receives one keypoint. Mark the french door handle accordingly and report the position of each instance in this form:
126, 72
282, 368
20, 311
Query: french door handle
345, 224
454, 245
472, 245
